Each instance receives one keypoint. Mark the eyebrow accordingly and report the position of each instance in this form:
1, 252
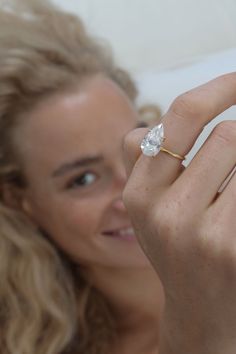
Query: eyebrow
85, 161
68, 166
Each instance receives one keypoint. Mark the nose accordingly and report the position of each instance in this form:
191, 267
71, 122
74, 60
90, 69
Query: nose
119, 205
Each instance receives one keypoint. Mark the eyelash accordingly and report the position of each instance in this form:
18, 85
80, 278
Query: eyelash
72, 184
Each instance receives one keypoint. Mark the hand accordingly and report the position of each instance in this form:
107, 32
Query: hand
186, 228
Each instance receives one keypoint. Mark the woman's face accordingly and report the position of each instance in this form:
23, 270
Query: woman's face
72, 156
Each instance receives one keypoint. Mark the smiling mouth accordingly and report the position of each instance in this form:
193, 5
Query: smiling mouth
125, 233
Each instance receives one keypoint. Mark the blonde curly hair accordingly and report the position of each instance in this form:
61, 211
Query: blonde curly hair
46, 307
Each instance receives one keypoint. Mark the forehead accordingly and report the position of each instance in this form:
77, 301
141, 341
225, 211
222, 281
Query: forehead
88, 120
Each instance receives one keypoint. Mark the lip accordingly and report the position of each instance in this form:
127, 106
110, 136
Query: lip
124, 233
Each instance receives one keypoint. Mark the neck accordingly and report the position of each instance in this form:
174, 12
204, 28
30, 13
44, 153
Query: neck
136, 299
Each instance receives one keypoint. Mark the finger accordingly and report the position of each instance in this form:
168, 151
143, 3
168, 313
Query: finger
210, 167
227, 196
191, 111
226, 181
223, 210
131, 148
183, 123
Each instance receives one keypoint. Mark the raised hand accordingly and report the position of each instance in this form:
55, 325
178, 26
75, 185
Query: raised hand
185, 226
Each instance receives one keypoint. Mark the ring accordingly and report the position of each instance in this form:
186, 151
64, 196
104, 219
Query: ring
152, 143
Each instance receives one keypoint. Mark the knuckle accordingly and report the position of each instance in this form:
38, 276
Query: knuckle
134, 203
212, 243
206, 243
186, 105
133, 138
128, 197
128, 141
168, 220
226, 132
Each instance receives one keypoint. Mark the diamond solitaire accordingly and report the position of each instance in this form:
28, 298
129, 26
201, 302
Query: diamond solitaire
151, 143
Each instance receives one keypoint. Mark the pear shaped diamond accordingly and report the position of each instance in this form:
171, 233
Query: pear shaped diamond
151, 143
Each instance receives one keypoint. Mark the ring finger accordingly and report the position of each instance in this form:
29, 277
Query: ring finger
183, 123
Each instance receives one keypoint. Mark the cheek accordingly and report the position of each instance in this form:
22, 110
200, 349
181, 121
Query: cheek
84, 217
77, 229
72, 220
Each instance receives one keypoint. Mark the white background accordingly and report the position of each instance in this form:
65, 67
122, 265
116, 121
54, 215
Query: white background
157, 34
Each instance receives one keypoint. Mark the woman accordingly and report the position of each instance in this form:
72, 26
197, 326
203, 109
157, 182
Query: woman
73, 277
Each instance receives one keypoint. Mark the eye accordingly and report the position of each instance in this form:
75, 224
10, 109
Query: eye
83, 180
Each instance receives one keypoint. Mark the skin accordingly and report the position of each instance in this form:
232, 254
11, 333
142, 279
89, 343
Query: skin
77, 205
188, 228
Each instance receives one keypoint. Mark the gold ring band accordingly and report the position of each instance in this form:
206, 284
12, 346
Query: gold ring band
182, 158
